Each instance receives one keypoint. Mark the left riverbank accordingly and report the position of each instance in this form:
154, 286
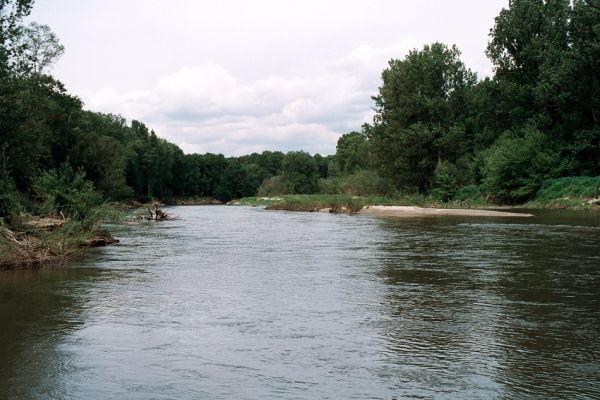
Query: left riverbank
38, 242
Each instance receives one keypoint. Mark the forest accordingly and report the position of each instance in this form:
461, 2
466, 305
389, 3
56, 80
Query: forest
439, 129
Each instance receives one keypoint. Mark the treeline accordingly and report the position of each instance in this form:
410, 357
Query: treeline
47, 136
440, 131
437, 128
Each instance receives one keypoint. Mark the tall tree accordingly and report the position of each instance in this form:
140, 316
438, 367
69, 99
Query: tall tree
300, 172
530, 50
36, 48
420, 103
11, 14
352, 152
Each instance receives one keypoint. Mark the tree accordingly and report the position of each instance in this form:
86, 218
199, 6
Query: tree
300, 172
37, 47
8, 203
422, 102
11, 14
585, 33
530, 49
352, 152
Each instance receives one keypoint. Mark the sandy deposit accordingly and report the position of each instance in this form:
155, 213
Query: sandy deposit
411, 211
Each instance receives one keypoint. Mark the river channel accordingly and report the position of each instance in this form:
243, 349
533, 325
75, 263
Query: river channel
244, 303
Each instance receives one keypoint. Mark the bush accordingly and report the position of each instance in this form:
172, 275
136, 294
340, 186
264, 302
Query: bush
569, 187
274, 186
470, 192
361, 183
365, 182
329, 186
66, 192
445, 181
515, 167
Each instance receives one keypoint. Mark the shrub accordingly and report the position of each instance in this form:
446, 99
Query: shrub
365, 182
515, 167
569, 187
66, 192
445, 181
329, 186
274, 186
470, 192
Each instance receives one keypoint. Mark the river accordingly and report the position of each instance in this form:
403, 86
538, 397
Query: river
243, 303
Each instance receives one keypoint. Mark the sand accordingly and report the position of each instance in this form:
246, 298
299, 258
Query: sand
411, 211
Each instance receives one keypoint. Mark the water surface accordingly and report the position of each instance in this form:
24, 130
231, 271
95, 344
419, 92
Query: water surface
236, 302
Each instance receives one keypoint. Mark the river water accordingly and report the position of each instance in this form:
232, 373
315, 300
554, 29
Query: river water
243, 303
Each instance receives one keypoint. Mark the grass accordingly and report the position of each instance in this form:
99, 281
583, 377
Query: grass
31, 241
570, 193
35, 248
564, 193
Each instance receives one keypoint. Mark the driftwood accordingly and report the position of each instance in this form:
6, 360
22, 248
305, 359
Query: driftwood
153, 213
100, 239
21, 250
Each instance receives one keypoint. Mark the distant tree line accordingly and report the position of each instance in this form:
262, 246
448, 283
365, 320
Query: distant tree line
437, 127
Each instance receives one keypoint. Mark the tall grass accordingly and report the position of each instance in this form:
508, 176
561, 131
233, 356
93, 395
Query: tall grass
568, 192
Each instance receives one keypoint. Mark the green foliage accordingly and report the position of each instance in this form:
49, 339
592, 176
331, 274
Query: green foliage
37, 48
352, 152
445, 181
585, 187
361, 183
469, 192
335, 203
421, 111
405, 156
66, 192
515, 167
274, 186
300, 172
365, 182
11, 14
8, 201
329, 186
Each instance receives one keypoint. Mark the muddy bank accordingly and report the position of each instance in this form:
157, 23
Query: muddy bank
411, 211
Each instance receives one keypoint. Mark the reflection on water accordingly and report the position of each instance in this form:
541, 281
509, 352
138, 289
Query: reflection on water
249, 304
506, 310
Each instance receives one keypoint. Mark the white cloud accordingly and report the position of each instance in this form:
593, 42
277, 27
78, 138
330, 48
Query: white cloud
206, 108
215, 75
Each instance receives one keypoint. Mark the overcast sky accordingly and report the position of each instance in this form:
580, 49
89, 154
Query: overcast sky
239, 76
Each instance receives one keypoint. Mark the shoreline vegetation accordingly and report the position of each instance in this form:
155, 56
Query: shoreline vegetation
410, 205
33, 241
37, 242
367, 206
578, 193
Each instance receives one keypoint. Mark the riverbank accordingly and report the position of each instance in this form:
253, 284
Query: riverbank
569, 193
416, 205
40, 242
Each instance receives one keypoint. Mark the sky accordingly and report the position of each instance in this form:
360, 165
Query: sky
243, 76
